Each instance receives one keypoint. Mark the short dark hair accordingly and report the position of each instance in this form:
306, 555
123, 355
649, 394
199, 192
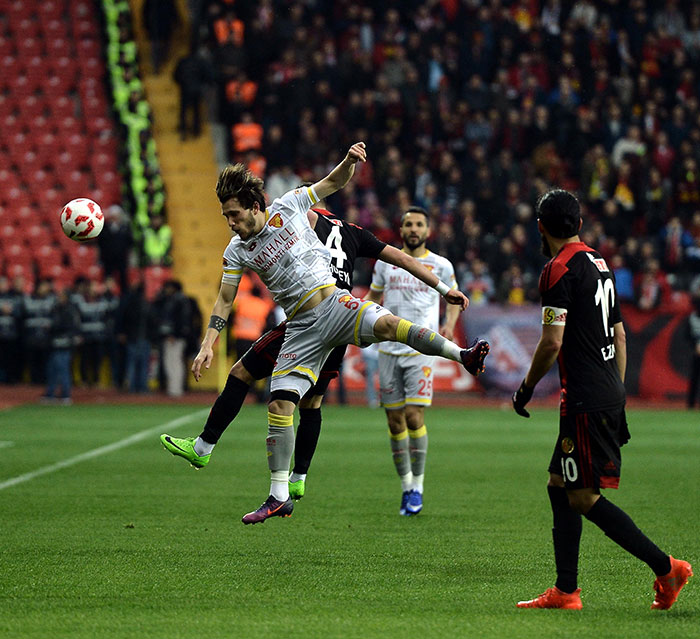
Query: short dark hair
238, 181
560, 213
416, 209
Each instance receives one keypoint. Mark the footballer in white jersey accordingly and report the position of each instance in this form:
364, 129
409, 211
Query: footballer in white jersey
287, 254
405, 375
408, 297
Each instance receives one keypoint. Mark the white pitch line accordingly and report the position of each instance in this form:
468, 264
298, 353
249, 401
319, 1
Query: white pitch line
102, 450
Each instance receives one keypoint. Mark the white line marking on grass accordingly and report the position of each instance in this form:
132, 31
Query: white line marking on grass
102, 450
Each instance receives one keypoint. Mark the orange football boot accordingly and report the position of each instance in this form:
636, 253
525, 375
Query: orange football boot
555, 598
668, 586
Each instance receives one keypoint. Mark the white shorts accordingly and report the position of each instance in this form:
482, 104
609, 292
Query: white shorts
339, 319
405, 379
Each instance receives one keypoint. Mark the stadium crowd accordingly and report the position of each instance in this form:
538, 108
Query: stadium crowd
43, 334
472, 109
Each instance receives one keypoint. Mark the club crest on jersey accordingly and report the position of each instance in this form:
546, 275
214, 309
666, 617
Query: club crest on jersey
276, 221
567, 445
427, 370
252, 245
335, 221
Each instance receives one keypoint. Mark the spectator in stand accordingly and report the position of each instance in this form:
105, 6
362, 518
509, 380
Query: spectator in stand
36, 327
651, 287
93, 311
246, 135
157, 243
171, 318
675, 241
240, 94
598, 96
116, 353
624, 281
133, 327
160, 18
115, 243
63, 335
10, 324
280, 181
192, 75
478, 284
250, 313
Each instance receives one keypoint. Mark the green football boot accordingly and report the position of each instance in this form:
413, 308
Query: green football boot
296, 489
184, 447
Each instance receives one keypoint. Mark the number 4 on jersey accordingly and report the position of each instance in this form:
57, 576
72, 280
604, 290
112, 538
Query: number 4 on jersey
334, 246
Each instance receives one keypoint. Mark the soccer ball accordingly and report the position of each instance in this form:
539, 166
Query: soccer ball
82, 219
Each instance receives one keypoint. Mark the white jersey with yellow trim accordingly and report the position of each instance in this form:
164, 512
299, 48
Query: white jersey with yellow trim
286, 253
409, 298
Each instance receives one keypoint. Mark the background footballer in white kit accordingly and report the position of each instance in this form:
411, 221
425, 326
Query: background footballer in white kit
405, 375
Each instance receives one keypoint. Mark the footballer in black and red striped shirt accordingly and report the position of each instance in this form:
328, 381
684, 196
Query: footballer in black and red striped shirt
582, 329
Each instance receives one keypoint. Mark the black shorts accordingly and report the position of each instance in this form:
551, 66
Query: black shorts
587, 452
259, 360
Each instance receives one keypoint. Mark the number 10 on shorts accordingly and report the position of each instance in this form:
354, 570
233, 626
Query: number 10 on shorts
568, 469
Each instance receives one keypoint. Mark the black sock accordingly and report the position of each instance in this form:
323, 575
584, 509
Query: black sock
618, 525
308, 432
566, 535
225, 409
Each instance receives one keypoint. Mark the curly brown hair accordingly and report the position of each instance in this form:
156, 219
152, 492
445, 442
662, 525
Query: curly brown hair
237, 181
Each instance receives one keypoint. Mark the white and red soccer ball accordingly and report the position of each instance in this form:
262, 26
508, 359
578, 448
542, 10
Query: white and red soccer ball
82, 219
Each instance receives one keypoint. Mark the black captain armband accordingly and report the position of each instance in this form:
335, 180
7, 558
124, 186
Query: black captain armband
217, 323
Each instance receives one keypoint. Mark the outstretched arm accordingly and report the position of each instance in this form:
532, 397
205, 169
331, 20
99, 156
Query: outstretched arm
219, 314
398, 258
342, 173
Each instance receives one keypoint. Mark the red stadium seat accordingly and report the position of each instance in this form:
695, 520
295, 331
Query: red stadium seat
50, 10
8, 180
22, 26
89, 49
8, 235
64, 162
43, 179
11, 123
23, 86
8, 70
27, 47
25, 216
32, 107
7, 46
53, 29
58, 85
97, 125
85, 28
62, 107
18, 253
64, 67
69, 126
7, 106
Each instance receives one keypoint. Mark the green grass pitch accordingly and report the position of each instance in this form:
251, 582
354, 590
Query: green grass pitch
114, 537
